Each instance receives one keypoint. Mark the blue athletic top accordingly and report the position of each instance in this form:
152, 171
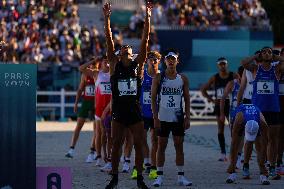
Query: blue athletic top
145, 98
233, 99
266, 90
250, 112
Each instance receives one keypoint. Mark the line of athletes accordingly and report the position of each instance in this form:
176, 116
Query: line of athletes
259, 84
122, 87
253, 103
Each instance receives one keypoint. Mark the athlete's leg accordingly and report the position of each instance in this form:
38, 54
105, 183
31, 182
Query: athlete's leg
145, 148
273, 132
136, 131
234, 148
178, 142
80, 123
154, 147
98, 138
117, 133
221, 136
128, 144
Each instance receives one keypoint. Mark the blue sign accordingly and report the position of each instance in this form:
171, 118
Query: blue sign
17, 126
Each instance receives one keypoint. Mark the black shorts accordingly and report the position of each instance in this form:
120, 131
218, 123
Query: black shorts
127, 116
176, 128
226, 108
271, 118
246, 101
148, 123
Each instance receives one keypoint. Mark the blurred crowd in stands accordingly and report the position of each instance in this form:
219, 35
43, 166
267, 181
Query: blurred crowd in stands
207, 14
47, 30
50, 30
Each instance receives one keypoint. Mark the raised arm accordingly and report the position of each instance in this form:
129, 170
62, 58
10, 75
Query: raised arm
186, 97
242, 88
112, 58
88, 72
228, 89
247, 63
141, 58
206, 87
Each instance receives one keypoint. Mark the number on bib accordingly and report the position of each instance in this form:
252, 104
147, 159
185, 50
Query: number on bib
105, 88
127, 87
265, 87
170, 101
220, 93
90, 90
147, 98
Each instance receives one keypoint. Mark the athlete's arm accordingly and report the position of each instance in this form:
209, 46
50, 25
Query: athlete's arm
228, 89
79, 92
106, 110
248, 64
206, 87
112, 58
280, 66
154, 91
141, 58
243, 85
88, 72
186, 97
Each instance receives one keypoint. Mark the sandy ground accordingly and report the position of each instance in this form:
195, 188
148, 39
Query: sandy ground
201, 154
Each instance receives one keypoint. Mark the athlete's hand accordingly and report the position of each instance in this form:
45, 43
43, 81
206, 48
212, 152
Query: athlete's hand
76, 108
157, 123
104, 115
149, 8
107, 10
186, 123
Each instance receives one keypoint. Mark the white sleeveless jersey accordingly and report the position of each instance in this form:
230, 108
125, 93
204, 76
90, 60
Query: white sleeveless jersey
103, 83
170, 100
249, 88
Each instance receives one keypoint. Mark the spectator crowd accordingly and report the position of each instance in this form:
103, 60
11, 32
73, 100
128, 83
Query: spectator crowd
207, 14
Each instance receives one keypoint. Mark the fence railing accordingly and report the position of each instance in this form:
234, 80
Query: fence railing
200, 108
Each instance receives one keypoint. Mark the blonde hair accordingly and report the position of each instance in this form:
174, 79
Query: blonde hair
155, 54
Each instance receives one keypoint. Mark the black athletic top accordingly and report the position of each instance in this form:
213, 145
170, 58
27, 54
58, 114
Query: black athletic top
125, 87
221, 83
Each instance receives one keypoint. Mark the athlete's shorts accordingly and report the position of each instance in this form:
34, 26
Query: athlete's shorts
107, 124
226, 109
127, 116
148, 123
176, 128
246, 101
271, 118
86, 109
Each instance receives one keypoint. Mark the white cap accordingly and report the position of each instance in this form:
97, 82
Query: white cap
223, 60
251, 130
172, 54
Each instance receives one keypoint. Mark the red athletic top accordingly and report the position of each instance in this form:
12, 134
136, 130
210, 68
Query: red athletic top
89, 89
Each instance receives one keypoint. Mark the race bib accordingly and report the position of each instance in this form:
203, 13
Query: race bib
90, 90
220, 93
105, 88
170, 101
127, 87
265, 87
147, 98
281, 89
